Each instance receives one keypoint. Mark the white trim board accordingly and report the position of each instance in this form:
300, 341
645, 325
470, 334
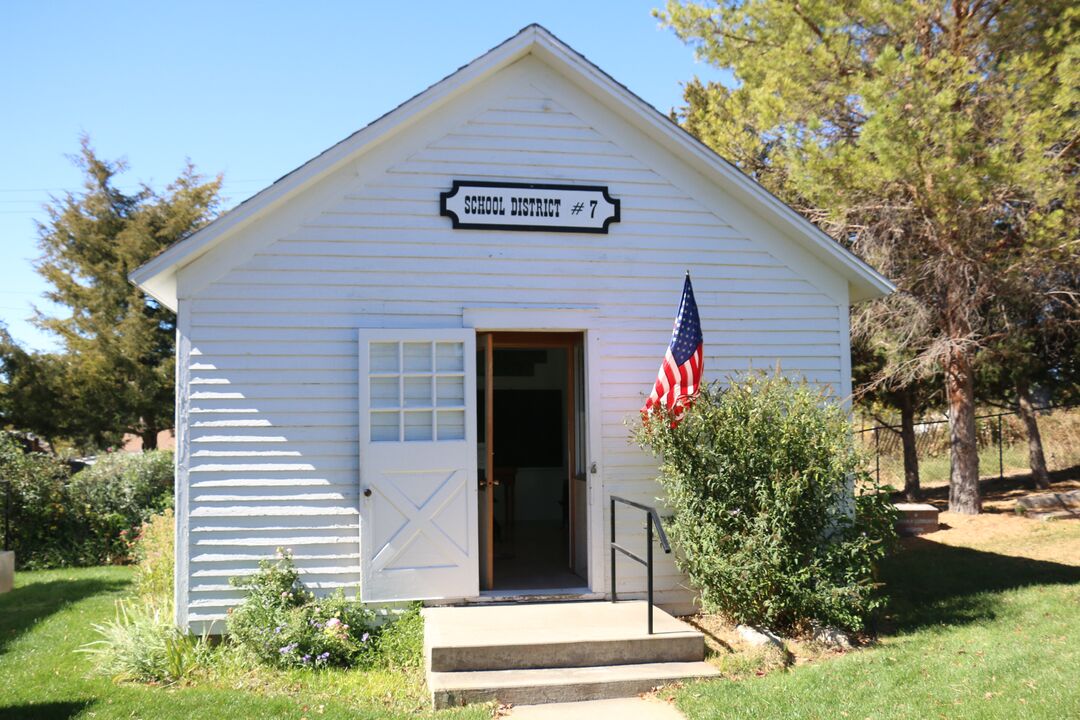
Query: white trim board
529, 319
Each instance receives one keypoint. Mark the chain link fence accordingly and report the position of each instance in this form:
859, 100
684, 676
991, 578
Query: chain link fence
1002, 442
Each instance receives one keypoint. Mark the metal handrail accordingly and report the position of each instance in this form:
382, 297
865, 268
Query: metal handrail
652, 520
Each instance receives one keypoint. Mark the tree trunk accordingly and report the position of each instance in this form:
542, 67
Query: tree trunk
1036, 458
912, 491
964, 495
149, 439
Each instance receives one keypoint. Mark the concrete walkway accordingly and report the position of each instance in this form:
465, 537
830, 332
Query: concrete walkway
618, 709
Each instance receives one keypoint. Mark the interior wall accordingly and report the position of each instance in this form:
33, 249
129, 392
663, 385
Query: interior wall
538, 490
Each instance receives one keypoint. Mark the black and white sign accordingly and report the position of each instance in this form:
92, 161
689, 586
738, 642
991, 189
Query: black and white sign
529, 206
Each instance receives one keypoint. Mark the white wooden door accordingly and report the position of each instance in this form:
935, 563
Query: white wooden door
418, 482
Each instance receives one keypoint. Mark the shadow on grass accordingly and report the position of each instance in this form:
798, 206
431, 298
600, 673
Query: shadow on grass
45, 711
25, 606
935, 584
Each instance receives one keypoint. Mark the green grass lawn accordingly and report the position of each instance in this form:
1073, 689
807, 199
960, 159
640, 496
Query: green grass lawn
48, 616
971, 633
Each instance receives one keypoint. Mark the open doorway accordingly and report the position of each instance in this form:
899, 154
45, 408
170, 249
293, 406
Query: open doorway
531, 418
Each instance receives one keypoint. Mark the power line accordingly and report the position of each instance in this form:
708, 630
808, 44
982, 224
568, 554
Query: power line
124, 188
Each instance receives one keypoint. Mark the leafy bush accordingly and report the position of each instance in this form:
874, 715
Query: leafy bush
142, 644
152, 548
120, 491
43, 529
401, 642
760, 476
282, 624
58, 519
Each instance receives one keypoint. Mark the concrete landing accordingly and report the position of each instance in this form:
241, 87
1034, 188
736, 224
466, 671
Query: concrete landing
617, 709
556, 652
541, 635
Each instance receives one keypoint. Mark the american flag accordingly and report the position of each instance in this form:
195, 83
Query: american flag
680, 372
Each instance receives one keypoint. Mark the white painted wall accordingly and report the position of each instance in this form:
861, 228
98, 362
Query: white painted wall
267, 358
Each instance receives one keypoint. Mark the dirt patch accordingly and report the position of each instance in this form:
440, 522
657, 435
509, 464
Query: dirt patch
1001, 529
1011, 534
738, 659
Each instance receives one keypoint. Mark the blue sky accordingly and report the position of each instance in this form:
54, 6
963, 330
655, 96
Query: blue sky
251, 90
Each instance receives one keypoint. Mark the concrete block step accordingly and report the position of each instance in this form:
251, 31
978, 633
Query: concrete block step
563, 635
548, 685
916, 518
682, 647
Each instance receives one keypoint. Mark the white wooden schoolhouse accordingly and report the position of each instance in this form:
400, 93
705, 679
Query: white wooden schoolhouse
411, 360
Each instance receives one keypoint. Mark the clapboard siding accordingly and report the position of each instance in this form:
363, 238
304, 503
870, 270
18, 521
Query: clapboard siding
271, 377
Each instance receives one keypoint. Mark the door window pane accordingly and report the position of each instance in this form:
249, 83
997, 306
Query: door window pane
385, 426
450, 391
384, 357
417, 356
418, 425
384, 392
450, 357
418, 392
451, 424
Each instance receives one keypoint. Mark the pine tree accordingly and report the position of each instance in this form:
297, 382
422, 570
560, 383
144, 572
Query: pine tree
939, 140
118, 342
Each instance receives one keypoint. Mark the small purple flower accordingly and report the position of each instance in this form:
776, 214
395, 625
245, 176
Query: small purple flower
364, 637
278, 629
306, 659
325, 656
286, 649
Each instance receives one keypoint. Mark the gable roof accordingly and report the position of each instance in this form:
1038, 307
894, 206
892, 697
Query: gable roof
158, 276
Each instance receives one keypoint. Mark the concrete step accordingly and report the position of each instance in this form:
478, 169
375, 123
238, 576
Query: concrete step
916, 518
555, 635
548, 685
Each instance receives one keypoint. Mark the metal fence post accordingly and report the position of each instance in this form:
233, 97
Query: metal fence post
877, 454
1001, 452
7, 514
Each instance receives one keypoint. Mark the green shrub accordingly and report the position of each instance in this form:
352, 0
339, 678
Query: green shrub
43, 528
142, 644
401, 641
58, 519
114, 496
760, 476
282, 624
152, 549
131, 485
